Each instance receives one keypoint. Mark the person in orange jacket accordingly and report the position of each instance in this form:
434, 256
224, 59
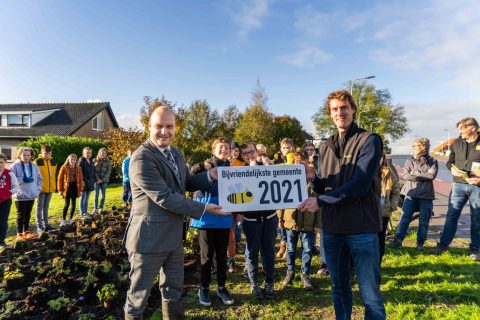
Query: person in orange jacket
70, 186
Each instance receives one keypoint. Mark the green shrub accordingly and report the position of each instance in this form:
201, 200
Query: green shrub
63, 146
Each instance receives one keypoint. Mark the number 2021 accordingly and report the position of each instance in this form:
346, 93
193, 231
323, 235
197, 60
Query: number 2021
276, 191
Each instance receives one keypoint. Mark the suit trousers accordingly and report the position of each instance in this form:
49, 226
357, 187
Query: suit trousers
144, 267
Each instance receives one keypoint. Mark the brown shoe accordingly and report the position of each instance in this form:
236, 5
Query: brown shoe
29, 235
282, 251
21, 236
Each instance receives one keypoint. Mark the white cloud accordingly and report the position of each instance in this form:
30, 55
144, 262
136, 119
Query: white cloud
94, 100
307, 56
431, 120
436, 36
251, 15
128, 120
312, 23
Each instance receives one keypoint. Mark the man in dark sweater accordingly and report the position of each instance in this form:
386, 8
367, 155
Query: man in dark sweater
464, 152
349, 186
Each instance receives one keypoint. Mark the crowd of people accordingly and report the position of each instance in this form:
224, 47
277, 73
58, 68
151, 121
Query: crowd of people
29, 179
353, 190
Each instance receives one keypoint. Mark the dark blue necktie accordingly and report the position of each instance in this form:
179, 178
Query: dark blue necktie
172, 161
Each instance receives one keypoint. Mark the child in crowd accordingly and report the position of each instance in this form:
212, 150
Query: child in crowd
260, 228
299, 225
213, 230
30, 186
127, 190
286, 148
235, 230
102, 175
88, 173
70, 186
8, 186
262, 155
234, 155
48, 170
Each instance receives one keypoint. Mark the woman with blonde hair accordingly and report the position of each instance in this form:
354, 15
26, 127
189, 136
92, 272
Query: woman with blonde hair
70, 186
102, 175
390, 194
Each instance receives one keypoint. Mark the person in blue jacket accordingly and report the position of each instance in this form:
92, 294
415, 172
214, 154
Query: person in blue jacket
214, 231
127, 190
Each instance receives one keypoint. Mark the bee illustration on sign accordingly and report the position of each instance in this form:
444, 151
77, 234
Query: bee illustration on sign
239, 194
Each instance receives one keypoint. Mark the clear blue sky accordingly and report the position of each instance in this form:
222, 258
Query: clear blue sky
425, 53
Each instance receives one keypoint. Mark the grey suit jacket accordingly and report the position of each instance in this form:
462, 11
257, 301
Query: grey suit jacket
159, 203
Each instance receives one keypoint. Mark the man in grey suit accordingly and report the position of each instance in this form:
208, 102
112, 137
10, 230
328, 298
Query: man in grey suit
159, 179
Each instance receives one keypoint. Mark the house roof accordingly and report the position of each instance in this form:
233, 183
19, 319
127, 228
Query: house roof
65, 119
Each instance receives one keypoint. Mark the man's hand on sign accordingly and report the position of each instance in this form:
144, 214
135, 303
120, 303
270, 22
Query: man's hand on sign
309, 205
216, 209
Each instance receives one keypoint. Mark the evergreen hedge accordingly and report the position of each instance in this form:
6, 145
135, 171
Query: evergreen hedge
63, 146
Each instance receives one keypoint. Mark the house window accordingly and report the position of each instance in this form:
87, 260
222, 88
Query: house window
18, 120
7, 151
97, 122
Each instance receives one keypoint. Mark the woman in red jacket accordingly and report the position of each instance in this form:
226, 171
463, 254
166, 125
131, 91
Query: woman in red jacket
70, 186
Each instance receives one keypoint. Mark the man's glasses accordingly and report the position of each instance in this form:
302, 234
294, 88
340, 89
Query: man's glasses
245, 153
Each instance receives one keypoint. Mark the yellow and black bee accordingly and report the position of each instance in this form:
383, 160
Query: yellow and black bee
239, 194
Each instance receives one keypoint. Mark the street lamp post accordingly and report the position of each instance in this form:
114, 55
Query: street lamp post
353, 81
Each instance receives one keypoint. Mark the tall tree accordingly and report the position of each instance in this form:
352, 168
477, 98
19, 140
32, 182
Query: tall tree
375, 112
196, 127
288, 127
150, 105
228, 122
257, 122
120, 140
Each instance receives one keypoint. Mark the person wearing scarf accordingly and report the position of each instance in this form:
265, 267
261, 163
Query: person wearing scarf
419, 172
30, 186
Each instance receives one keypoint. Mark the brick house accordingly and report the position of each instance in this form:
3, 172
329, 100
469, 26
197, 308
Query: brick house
18, 122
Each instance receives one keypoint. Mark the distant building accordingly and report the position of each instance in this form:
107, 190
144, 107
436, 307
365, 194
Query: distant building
18, 122
444, 147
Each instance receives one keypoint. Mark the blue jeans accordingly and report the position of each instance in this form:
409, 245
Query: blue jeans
459, 195
283, 234
363, 248
308, 241
260, 236
43, 204
127, 192
84, 201
409, 206
103, 188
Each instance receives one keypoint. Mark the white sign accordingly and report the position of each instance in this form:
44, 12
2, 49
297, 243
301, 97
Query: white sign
242, 189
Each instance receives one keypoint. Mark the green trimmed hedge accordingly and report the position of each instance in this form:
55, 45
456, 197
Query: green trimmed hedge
63, 146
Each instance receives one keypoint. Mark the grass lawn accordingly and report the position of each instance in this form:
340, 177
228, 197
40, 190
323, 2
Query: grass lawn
415, 285
113, 198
